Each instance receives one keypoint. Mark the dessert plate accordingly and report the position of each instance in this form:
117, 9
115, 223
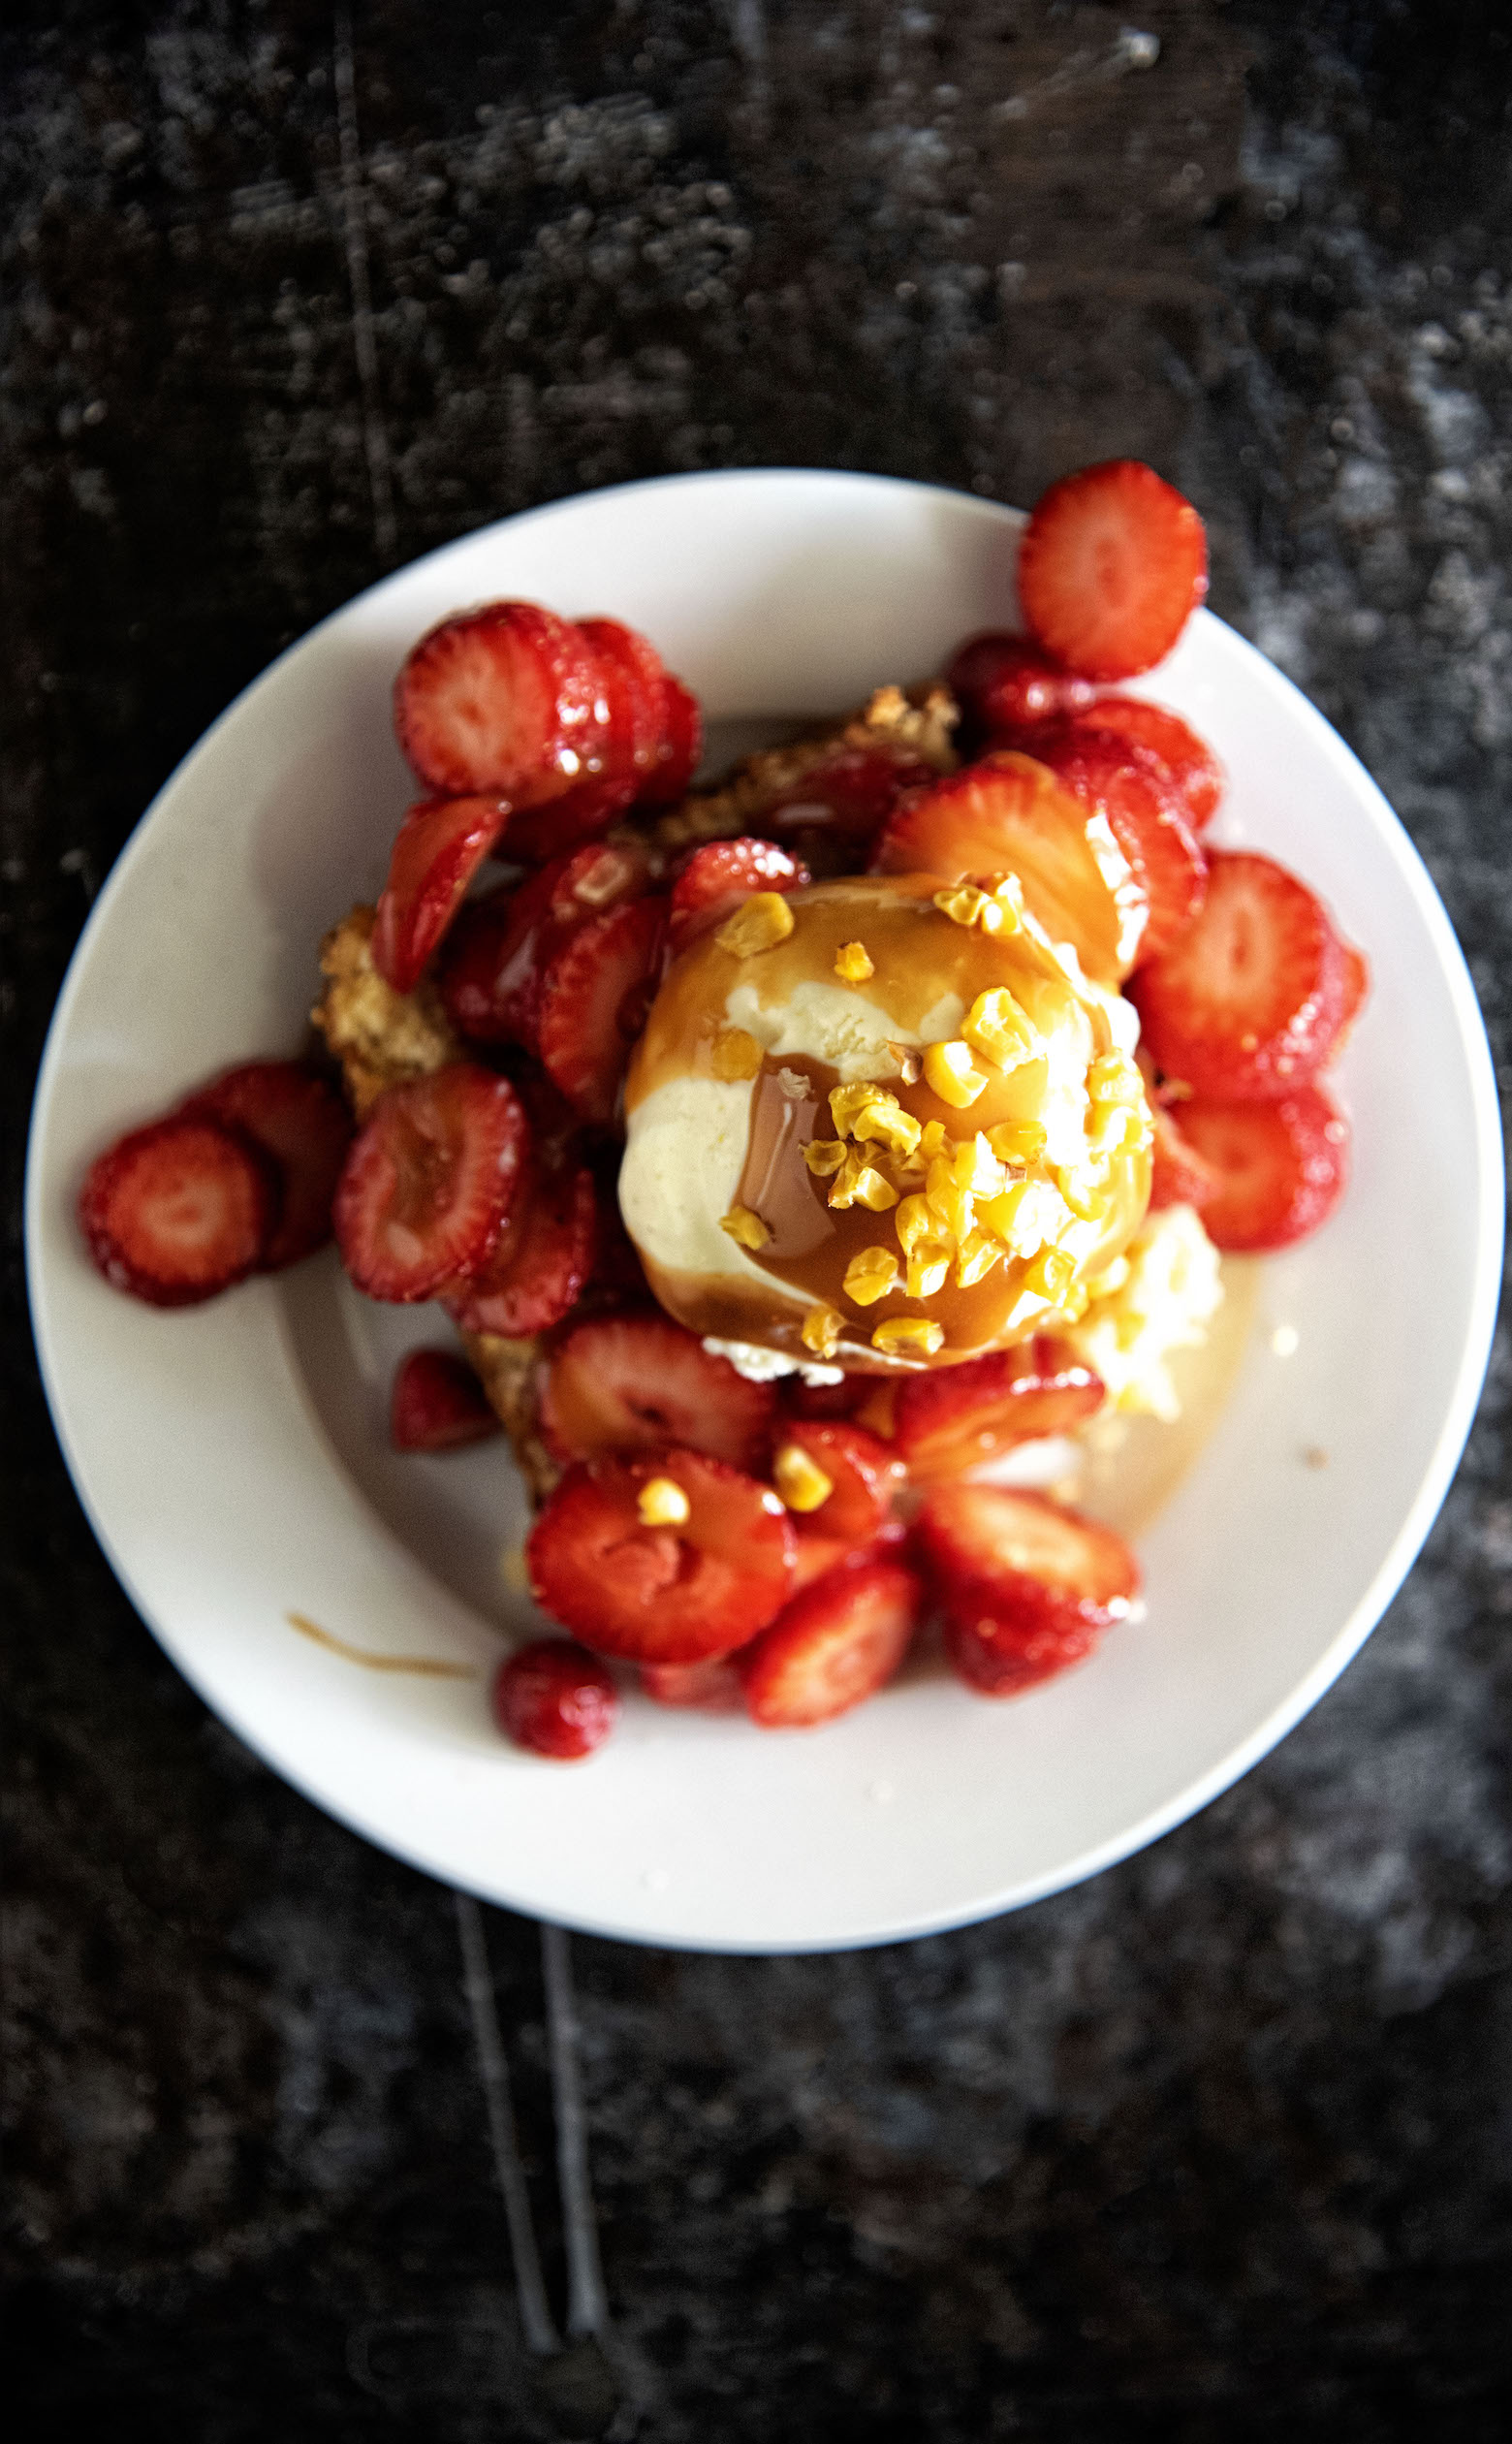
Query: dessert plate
233, 1458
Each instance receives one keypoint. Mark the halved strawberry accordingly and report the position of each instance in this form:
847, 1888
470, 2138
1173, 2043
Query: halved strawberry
178, 1210
594, 997
301, 1126
1131, 788
1005, 686
1178, 1173
960, 1416
428, 1183
1111, 564
841, 800
1274, 1171
837, 1642
502, 699
1010, 812
722, 874
678, 749
661, 1595
985, 1654
441, 844
1247, 1001
554, 1698
1190, 761
714, 1687
864, 1473
637, 1382
544, 1257
1011, 1563
437, 1404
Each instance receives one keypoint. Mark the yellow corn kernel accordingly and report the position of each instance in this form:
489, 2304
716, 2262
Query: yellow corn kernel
820, 1331
858, 1183
997, 1029
1051, 1275
929, 1266
737, 1054
662, 1503
1118, 1128
978, 1252
800, 1481
758, 923
965, 905
1008, 892
936, 1140
870, 1276
947, 1197
1112, 1078
950, 1070
909, 1334
1110, 1280
854, 963
914, 1222
824, 1154
747, 1228
1026, 1216
874, 1115
1017, 1140
1076, 1301
1084, 1188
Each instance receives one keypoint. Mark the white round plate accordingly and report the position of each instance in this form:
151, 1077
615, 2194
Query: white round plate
233, 1458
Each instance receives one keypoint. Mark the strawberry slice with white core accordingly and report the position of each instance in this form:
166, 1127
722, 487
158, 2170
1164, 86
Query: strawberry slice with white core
428, 1183
504, 701
303, 1127
960, 1416
1199, 777
1247, 1001
1273, 1171
500, 947
441, 844
815, 1556
554, 1698
662, 1594
1013, 1562
1010, 813
543, 1260
679, 748
1112, 565
594, 997
635, 1383
722, 874
437, 1404
1005, 685
1132, 789
712, 1688
865, 1476
998, 1659
836, 1644
181, 1209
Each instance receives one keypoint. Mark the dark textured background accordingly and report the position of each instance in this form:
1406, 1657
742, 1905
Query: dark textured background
1217, 2145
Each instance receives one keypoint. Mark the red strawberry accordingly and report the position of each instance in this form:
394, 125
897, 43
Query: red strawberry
1131, 788
301, 1126
635, 687
628, 713
437, 1404
502, 699
827, 1401
500, 947
440, 846
722, 874
1017, 1569
715, 1687
865, 1475
181, 1209
679, 748
555, 1698
960, 1416
1276, 1170
1005, 685
1178, 1173
594, 997
841, 802
1111, 564
662, 1595
837, 1642
1190, 761
430, 1182
544, 1257
638, 1382
1248, 1000
1357, 986
1009, 813
990, 1658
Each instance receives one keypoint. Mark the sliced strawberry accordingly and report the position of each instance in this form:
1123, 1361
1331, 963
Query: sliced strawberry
1357, 986
864, 1475
959, 1417
1276, 1170
662, 1595
301, 1126
554, 1698
1178, 1173
1012, 1563
827, 1401
627, 711
500, 946
637, 1382
714, 1687
814, 1556
594, 997
722, 874
429, 1185
1132, 789
1005, 685
437, 1404
837, 1642
502, 699
1111, 564
679, 748
635, 691
544, 1258
1248, 1000
877, 1411
440, 846
985, 1654
1190, 761
1009, 813
181, 1209
841, 802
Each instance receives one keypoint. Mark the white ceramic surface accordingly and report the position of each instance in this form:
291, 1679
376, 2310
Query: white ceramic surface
232, 1458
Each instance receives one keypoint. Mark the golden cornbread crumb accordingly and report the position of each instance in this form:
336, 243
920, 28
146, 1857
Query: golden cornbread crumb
380, 1037
918, 723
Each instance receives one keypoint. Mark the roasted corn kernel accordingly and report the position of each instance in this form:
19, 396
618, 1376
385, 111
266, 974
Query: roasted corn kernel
1112, 1078
735, 1055
858, 1183
954, 1076
873, 1116
1017, 1140
820, 1331
758, 923
929, 1266
1051, 1275
965, 905
911, 1334
662, 1503
800, 1481
747, 1228
854, 963
978, 1252
997, 1029
870, 1276
824, 1156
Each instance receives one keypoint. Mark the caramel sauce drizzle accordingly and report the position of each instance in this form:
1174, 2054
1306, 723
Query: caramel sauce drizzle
425, 1666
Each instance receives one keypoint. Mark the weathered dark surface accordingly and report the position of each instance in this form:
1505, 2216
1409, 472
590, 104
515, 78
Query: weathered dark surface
1217, 2145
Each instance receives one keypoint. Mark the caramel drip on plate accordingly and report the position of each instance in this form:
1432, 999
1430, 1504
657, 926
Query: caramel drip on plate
427, 1666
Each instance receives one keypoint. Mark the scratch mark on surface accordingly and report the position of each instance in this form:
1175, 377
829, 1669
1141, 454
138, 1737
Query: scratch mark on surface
535, 2315
364, 337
